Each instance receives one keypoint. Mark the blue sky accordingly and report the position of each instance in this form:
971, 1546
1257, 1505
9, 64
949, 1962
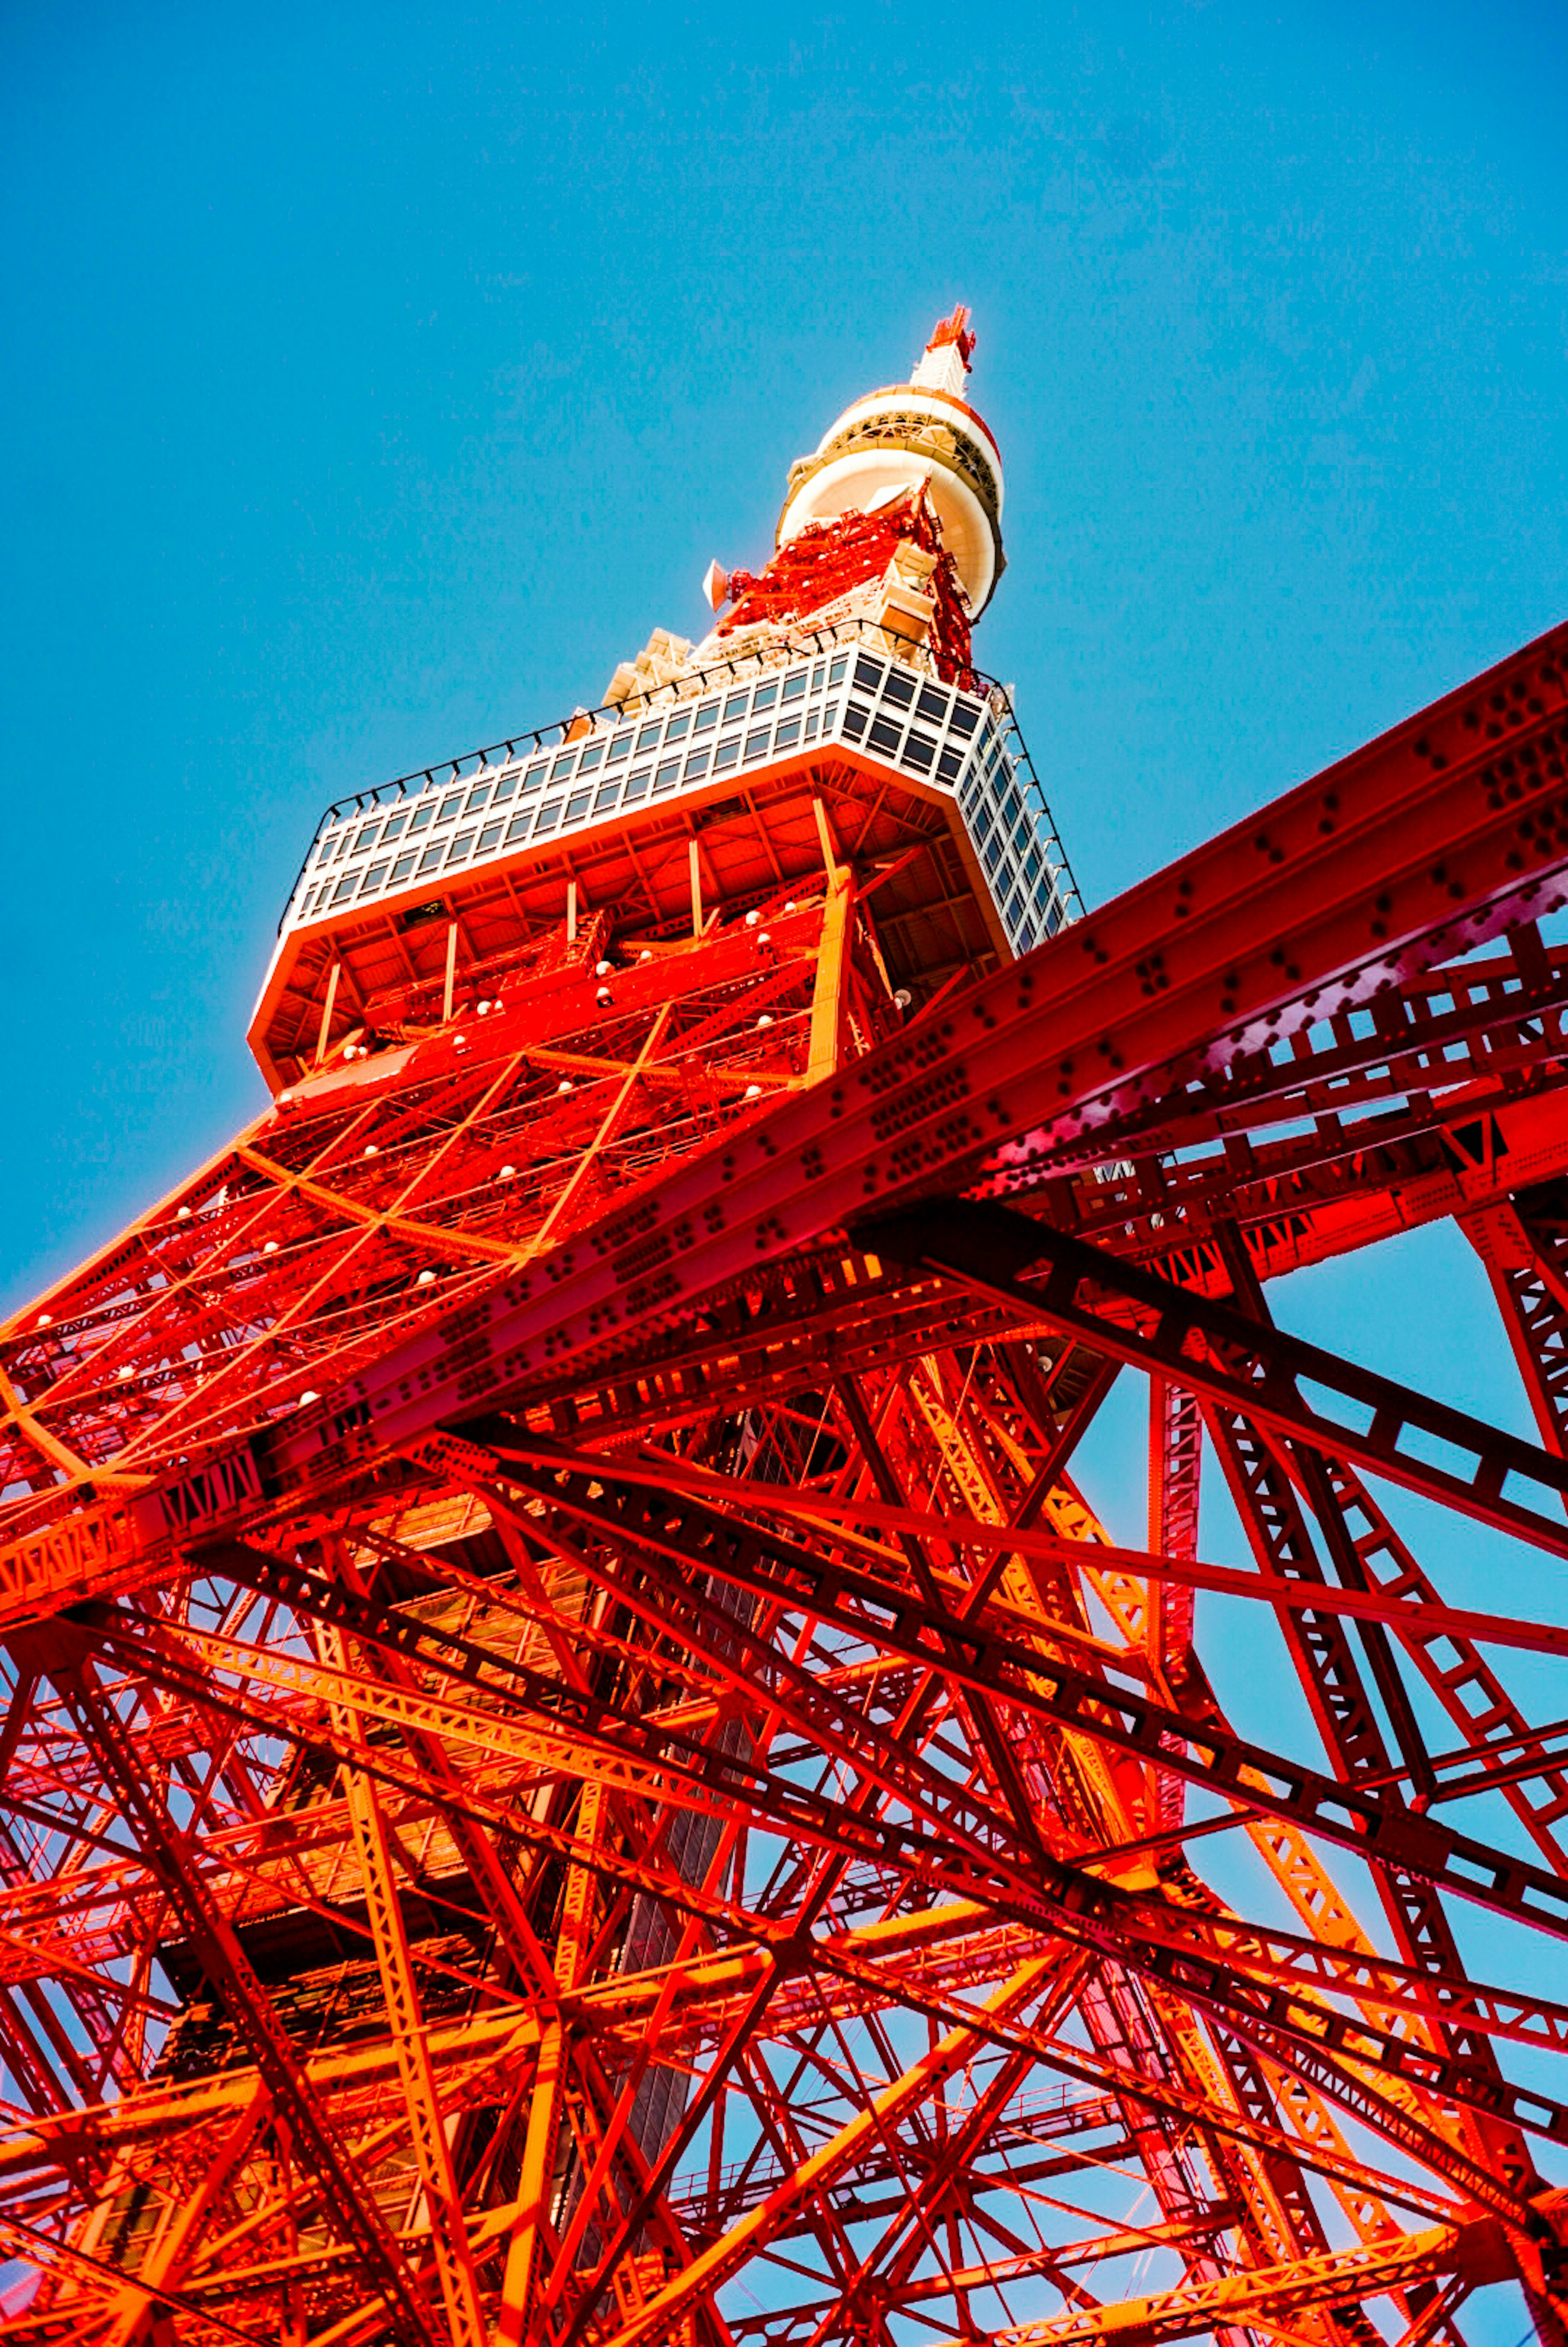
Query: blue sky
377, 377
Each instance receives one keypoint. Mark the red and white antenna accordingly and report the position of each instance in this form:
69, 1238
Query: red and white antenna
945, 362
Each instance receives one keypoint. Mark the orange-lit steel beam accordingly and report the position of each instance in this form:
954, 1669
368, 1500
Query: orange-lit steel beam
425, 2118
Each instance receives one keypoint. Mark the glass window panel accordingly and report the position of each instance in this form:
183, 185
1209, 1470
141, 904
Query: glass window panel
394, 829
664, 779
345, 887
678, 727
532, 779
981, 823
375, 875
899, 687
966, 716
518, 826
757, 743
460, 847
727, 753
431, 856
592, 759
766, 694
919, 753
607, 795
423, 817
708, 716
506, 788
649, 738
697, 766
365, 838
947, 765
549, 816
1053, 918
449, 807
577, 805
813, 724
1031, 865
836, 673
563, 765
403, 868
789, 733
637, 787
620, 745
869, 673
734, 706
932, 705
855, 720
884, 733
795, 685
477, 797
488, 838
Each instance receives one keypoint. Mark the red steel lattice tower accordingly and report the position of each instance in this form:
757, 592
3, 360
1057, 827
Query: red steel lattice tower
578, 1767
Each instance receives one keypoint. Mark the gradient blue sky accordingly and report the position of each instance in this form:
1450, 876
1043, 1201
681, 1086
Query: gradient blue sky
377, 377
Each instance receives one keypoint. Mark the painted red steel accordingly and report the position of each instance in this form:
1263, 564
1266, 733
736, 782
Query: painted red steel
578, 1766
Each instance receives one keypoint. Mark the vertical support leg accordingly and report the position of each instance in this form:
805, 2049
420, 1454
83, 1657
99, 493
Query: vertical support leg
449, 987
327, 1006
1176, 1466
454, 2259
1530, 1282
830, 993
525, 2261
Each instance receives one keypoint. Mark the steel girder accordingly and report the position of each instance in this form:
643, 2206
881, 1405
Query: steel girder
579, 1768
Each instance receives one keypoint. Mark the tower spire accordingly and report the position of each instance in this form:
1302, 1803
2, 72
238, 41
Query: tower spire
945, 362
917, 435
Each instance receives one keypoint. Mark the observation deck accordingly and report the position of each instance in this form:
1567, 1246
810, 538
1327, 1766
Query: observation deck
709, 792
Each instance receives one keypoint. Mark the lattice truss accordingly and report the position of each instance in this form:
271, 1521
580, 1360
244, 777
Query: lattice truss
580, 1769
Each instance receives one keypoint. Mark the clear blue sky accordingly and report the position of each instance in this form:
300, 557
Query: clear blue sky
377, 377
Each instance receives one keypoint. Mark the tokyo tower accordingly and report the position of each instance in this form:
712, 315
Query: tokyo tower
577, 1765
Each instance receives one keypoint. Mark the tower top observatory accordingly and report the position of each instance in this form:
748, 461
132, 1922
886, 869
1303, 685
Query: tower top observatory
910, 436
832, 721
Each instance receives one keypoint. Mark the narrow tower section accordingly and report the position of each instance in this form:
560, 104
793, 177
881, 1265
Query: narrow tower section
833, 720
